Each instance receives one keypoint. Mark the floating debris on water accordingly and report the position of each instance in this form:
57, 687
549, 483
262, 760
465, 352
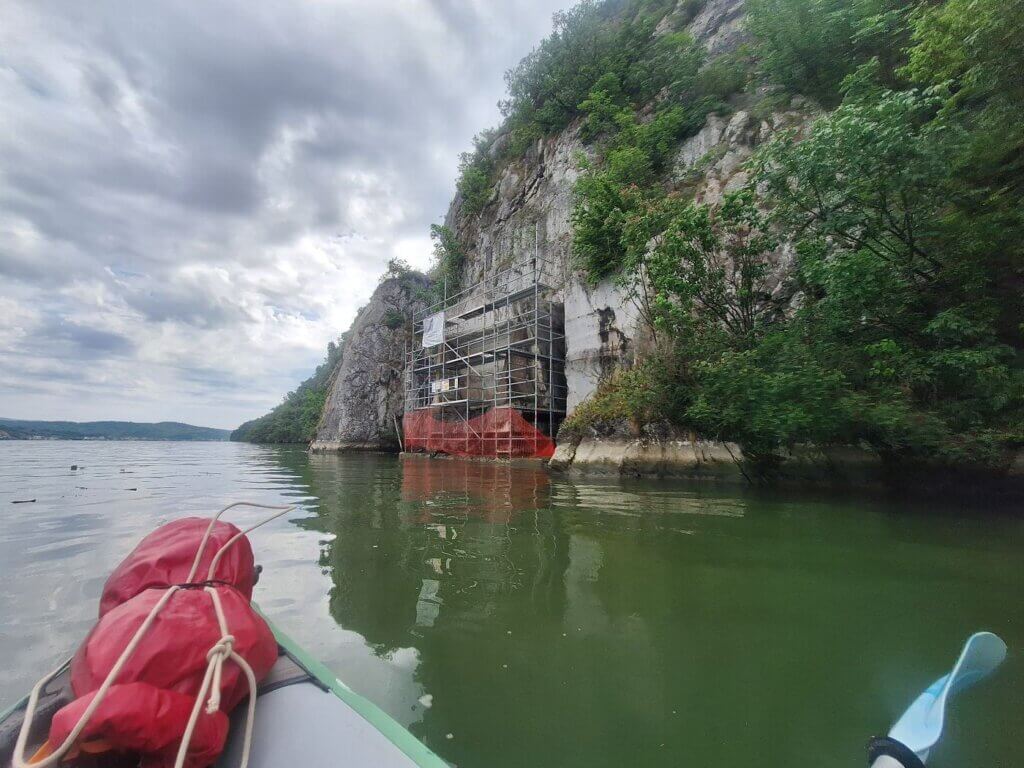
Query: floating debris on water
426, 700
24, 501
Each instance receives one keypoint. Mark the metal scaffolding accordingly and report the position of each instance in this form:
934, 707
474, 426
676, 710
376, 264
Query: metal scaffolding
497, 344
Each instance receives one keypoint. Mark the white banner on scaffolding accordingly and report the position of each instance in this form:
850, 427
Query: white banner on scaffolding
433, 330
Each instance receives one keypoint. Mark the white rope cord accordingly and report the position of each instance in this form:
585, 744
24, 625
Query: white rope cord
221, 650
216, 558
101, 692
213, 521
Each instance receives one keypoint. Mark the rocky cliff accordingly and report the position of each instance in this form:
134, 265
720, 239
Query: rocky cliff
529, 211
365, 397
531, 204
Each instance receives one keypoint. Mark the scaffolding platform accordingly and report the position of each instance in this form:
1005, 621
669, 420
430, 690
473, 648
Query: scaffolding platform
485, 367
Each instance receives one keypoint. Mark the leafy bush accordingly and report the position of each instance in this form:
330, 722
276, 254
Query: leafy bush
476, 173
606, 108
973, 52
589, 41
710, 270
810, 46
393, 319
725, 75
449, 258
773, 395
637, 396
905, 340
614, 201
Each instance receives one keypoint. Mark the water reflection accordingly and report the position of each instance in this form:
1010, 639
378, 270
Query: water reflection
494, 492
556, 622
444, 554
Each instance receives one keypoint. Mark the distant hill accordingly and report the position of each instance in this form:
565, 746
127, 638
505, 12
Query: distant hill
17, 429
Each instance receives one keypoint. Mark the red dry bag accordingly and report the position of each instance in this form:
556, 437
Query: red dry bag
146, 711
165, 557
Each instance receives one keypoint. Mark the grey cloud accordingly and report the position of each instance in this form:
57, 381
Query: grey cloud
174, 178
84, 342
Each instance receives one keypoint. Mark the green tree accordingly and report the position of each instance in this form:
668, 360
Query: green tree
710, 271
811, 46
903, 274
449, 258
973, 52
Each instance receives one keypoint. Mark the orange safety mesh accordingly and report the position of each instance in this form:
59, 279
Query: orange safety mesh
499, 432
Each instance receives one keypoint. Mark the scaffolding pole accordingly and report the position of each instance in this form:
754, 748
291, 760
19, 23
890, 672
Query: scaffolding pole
503, 346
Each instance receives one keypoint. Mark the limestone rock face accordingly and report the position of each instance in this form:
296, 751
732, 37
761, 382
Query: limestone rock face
710, 163
719, 25
529, 214
366, 394
530, 209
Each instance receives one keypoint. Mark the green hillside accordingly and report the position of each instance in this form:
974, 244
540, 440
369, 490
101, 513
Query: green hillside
295, 419
18, 429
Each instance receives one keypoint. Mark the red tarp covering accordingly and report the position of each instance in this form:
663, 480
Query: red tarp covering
499, 432
148, 708
165, 556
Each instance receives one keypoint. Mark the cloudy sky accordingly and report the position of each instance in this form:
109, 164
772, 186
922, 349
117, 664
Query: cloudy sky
196, 196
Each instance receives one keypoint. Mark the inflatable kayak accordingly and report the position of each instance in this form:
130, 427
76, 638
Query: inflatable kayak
305, 715
182, 669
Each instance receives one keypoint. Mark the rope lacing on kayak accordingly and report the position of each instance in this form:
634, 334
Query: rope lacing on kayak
222, 650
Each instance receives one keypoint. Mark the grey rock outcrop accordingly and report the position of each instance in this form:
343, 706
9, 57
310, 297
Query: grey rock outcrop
719, 25
529, 214
711, 162
366, 393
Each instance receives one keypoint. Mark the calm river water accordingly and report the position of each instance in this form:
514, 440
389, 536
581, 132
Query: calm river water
543, 621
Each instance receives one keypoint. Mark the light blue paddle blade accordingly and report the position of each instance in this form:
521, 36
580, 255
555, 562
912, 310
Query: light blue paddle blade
921, 725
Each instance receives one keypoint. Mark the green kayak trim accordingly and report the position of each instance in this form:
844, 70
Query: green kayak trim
413, 748
14, 708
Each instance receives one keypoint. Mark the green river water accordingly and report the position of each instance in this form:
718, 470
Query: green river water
510, 617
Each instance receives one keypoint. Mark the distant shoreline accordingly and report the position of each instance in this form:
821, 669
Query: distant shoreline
21, 429
36, 439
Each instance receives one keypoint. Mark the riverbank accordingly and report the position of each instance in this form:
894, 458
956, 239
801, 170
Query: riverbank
836, 467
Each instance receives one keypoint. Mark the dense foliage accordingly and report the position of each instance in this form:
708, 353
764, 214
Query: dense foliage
296, 418
810, 46
449, 257
901, 328
602, 61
